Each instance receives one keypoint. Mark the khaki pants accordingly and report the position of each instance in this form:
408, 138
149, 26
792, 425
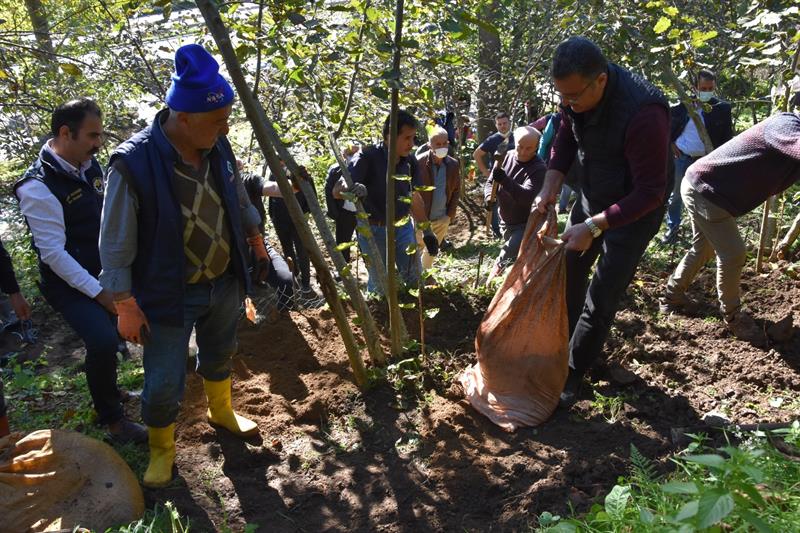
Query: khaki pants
439, 228
714, 232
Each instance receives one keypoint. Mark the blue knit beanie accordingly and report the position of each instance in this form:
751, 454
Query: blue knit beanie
197, 85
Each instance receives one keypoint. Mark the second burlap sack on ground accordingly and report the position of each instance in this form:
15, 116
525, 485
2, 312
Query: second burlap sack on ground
522, 340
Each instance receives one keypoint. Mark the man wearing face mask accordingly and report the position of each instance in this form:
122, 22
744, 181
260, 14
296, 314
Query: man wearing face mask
434, 210
61, 196
341, 210
483, 156
688, 147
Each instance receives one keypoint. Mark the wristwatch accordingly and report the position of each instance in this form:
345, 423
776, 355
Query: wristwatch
596, 231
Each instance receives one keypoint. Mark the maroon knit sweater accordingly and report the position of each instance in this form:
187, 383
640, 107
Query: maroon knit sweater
751, 167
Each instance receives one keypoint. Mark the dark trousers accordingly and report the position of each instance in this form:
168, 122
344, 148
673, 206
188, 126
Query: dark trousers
293, 247
345, 226
280, 278
592, 305
98, 330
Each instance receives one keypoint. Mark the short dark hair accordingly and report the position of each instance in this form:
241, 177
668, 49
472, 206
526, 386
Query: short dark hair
404, 118
502, 114
578, 55
706, 75
71, 115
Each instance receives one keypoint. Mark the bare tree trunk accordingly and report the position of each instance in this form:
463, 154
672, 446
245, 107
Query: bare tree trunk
41, 28
395, 317
269, 142
488, 73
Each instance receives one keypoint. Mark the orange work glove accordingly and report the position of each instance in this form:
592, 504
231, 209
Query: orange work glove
131, 323
256, 243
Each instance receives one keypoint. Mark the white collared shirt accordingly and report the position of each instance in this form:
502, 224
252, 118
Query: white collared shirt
689, 141
45, 218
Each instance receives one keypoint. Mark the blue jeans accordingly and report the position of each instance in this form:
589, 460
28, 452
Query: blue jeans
212, 309
97, 328
682, 162
563, 197
408, 266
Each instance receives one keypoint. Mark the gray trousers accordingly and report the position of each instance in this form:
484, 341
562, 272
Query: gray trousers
714, 232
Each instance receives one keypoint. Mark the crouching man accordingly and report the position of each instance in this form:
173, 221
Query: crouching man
173, 251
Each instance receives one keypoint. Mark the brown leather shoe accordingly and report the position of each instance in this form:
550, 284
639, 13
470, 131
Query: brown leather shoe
743, 327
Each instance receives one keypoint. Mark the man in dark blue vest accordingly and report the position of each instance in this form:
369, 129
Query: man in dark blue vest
618, 125
174, 251
688, 146
61, 197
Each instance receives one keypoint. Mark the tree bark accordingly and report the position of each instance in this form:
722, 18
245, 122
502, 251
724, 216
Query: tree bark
269, 142
41, 29
489, 72
395, 317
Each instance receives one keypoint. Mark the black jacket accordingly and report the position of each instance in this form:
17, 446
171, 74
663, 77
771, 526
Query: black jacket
718, 121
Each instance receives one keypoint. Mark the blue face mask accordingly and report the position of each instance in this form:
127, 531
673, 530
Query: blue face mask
705, 96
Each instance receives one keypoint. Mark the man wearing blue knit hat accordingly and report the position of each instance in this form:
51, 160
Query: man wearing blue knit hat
173, 247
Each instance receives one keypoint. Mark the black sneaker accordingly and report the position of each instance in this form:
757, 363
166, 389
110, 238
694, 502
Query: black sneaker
571, 389
124, 431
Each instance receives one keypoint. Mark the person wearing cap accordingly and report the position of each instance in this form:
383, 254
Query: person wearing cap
60, 196
433, 210
174, 251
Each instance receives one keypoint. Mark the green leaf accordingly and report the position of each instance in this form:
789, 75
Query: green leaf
432, 312
344, 246
401, 177
714, 506
402, 222
414, 292
662, 25
710, 460
407, 306
679, 487
346, 272
372, 14
687, 511
699, 38
671, 11
405, 199
755, 521
379, 91
617, 500
482, 24
425, 188
71, 69
646, 516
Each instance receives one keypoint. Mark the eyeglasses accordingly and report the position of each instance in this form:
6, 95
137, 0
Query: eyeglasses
574, 99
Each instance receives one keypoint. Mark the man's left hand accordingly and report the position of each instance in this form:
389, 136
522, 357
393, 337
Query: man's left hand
256, 243
577, 237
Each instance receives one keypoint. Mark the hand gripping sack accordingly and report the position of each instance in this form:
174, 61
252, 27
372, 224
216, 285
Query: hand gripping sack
522, 340
54, 480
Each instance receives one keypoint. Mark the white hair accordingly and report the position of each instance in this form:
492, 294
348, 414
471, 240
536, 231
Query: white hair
436, 131
524, 131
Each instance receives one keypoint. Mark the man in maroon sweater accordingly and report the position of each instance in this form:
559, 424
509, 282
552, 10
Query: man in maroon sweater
618, 125
733, 180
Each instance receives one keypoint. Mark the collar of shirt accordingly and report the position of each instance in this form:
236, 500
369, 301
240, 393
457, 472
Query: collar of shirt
65, 165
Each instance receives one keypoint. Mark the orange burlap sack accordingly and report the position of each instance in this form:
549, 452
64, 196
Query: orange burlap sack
522, 341
54, 480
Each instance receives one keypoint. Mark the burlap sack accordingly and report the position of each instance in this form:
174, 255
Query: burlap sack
53, 480
522, 341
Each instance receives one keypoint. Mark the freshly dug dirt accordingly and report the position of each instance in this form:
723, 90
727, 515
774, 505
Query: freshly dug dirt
332, 459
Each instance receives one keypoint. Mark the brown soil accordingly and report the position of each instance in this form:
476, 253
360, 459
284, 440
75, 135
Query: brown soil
332, 459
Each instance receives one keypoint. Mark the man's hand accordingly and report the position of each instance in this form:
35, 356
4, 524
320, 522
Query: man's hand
499, 175
256, 243
431, 242
544, 200
359, 189
132, 324
20, 306
105, 299
577, 237
547, 196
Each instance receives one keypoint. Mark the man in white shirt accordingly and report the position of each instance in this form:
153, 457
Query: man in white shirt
61, 197
688, 146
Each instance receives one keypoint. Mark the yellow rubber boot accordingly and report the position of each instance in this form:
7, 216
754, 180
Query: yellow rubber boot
220, 411
162, 456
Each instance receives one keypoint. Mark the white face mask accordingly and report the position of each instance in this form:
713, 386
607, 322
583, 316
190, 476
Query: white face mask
705, 96
440, 152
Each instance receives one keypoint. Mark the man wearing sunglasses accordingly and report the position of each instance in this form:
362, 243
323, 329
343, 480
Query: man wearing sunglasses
618, 125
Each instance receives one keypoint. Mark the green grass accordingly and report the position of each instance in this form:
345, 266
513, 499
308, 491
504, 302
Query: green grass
752, 487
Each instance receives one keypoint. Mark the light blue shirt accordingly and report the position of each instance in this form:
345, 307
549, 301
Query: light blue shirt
439, 201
